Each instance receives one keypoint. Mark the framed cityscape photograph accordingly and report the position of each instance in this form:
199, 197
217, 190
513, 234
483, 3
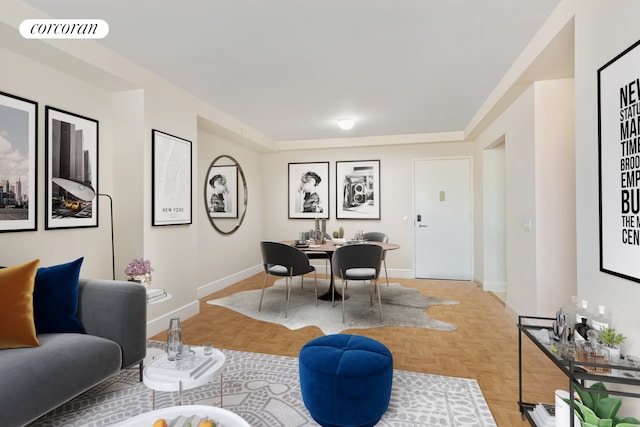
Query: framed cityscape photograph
358, 189
18, 163
71, 181
171, 179
309, 190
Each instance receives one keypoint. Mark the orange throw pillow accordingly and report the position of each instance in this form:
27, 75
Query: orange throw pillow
17, 328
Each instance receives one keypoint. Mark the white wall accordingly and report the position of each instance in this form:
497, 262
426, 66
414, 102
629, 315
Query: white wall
516, 127
396, 188
85, 78
603, 30
555, 188
537, 130
33, 80
491, 258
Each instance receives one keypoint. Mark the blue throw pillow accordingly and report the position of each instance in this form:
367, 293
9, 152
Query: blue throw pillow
55, 298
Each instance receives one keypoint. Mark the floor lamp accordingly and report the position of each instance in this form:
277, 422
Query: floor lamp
86, 193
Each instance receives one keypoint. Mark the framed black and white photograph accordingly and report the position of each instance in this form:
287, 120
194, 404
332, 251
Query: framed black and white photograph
71, 181
358, 189
221, 191
18, 163
171, 179
619, 164
309, 190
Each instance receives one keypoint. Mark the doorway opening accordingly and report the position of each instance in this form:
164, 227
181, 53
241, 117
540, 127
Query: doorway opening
494, 220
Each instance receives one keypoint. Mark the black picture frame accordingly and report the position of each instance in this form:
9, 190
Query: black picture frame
619, 164
309, 190
358, 189
71, 182
171, 183
18, 163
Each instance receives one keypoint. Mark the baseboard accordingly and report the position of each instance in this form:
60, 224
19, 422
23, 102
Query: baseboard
511, 311
159, 324
219, 284
494, 286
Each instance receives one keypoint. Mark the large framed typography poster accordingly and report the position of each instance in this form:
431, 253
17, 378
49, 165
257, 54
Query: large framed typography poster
619, 164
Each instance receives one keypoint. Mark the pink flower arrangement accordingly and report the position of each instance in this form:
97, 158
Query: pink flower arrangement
138, 267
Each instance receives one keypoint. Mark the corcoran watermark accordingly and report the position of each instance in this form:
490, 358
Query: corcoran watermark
64, 29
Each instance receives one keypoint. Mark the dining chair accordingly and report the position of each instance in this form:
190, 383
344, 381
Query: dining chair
283, 260
358, 262
378, 236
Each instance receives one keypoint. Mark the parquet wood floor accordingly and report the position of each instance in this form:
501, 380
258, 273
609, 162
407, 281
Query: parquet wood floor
485, 346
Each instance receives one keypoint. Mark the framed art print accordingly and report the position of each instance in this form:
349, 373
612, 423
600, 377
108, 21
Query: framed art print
619, 164
309, 190
221, 191
71, 181
358, 189
171, 179
18, 163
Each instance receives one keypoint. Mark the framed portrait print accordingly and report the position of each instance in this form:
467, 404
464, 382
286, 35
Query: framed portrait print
221, 191
170, 179
71, 181
309, 190
358, 189
18, 163
619, 164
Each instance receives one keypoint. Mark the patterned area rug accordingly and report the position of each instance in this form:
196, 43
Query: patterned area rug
401, 306
265, 391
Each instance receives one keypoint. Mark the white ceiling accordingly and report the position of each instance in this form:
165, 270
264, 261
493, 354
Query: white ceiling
290, 68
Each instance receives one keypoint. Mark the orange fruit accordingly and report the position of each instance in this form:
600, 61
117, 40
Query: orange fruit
161, 422
207, 423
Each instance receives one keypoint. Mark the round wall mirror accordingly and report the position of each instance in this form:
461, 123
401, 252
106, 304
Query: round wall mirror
225, 194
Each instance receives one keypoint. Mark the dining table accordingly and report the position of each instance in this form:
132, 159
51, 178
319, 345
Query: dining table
329, 247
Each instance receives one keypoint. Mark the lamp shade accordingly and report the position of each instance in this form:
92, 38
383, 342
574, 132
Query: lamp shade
81, 191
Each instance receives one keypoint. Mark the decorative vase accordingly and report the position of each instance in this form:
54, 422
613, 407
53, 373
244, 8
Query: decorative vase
174, 338
143, 279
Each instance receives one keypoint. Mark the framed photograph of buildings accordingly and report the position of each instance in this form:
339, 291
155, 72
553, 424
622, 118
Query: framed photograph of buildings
619, 164
171, 179
358, 189
18, 163
309, 190
221, 191
71, 181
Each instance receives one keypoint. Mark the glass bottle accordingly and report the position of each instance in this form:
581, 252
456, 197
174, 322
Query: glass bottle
601, 320
572, 311
583, 312
174, 338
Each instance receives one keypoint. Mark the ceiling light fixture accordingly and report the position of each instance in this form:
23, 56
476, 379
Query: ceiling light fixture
346, 123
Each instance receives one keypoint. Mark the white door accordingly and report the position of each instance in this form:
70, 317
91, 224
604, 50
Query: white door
442, 221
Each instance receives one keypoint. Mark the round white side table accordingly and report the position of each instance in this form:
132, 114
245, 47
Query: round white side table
158, 381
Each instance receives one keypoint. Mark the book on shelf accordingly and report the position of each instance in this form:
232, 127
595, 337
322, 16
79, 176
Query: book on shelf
154, 294
544, 415
166, 367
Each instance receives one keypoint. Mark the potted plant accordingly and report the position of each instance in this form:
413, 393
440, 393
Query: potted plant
596, 409
612, 340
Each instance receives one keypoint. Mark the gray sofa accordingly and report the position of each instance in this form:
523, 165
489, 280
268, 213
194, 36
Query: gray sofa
35, 380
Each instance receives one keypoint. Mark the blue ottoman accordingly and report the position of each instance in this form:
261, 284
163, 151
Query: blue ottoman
345, 380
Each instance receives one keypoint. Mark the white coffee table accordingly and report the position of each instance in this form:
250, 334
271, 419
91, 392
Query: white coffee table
223, 416
161, 382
